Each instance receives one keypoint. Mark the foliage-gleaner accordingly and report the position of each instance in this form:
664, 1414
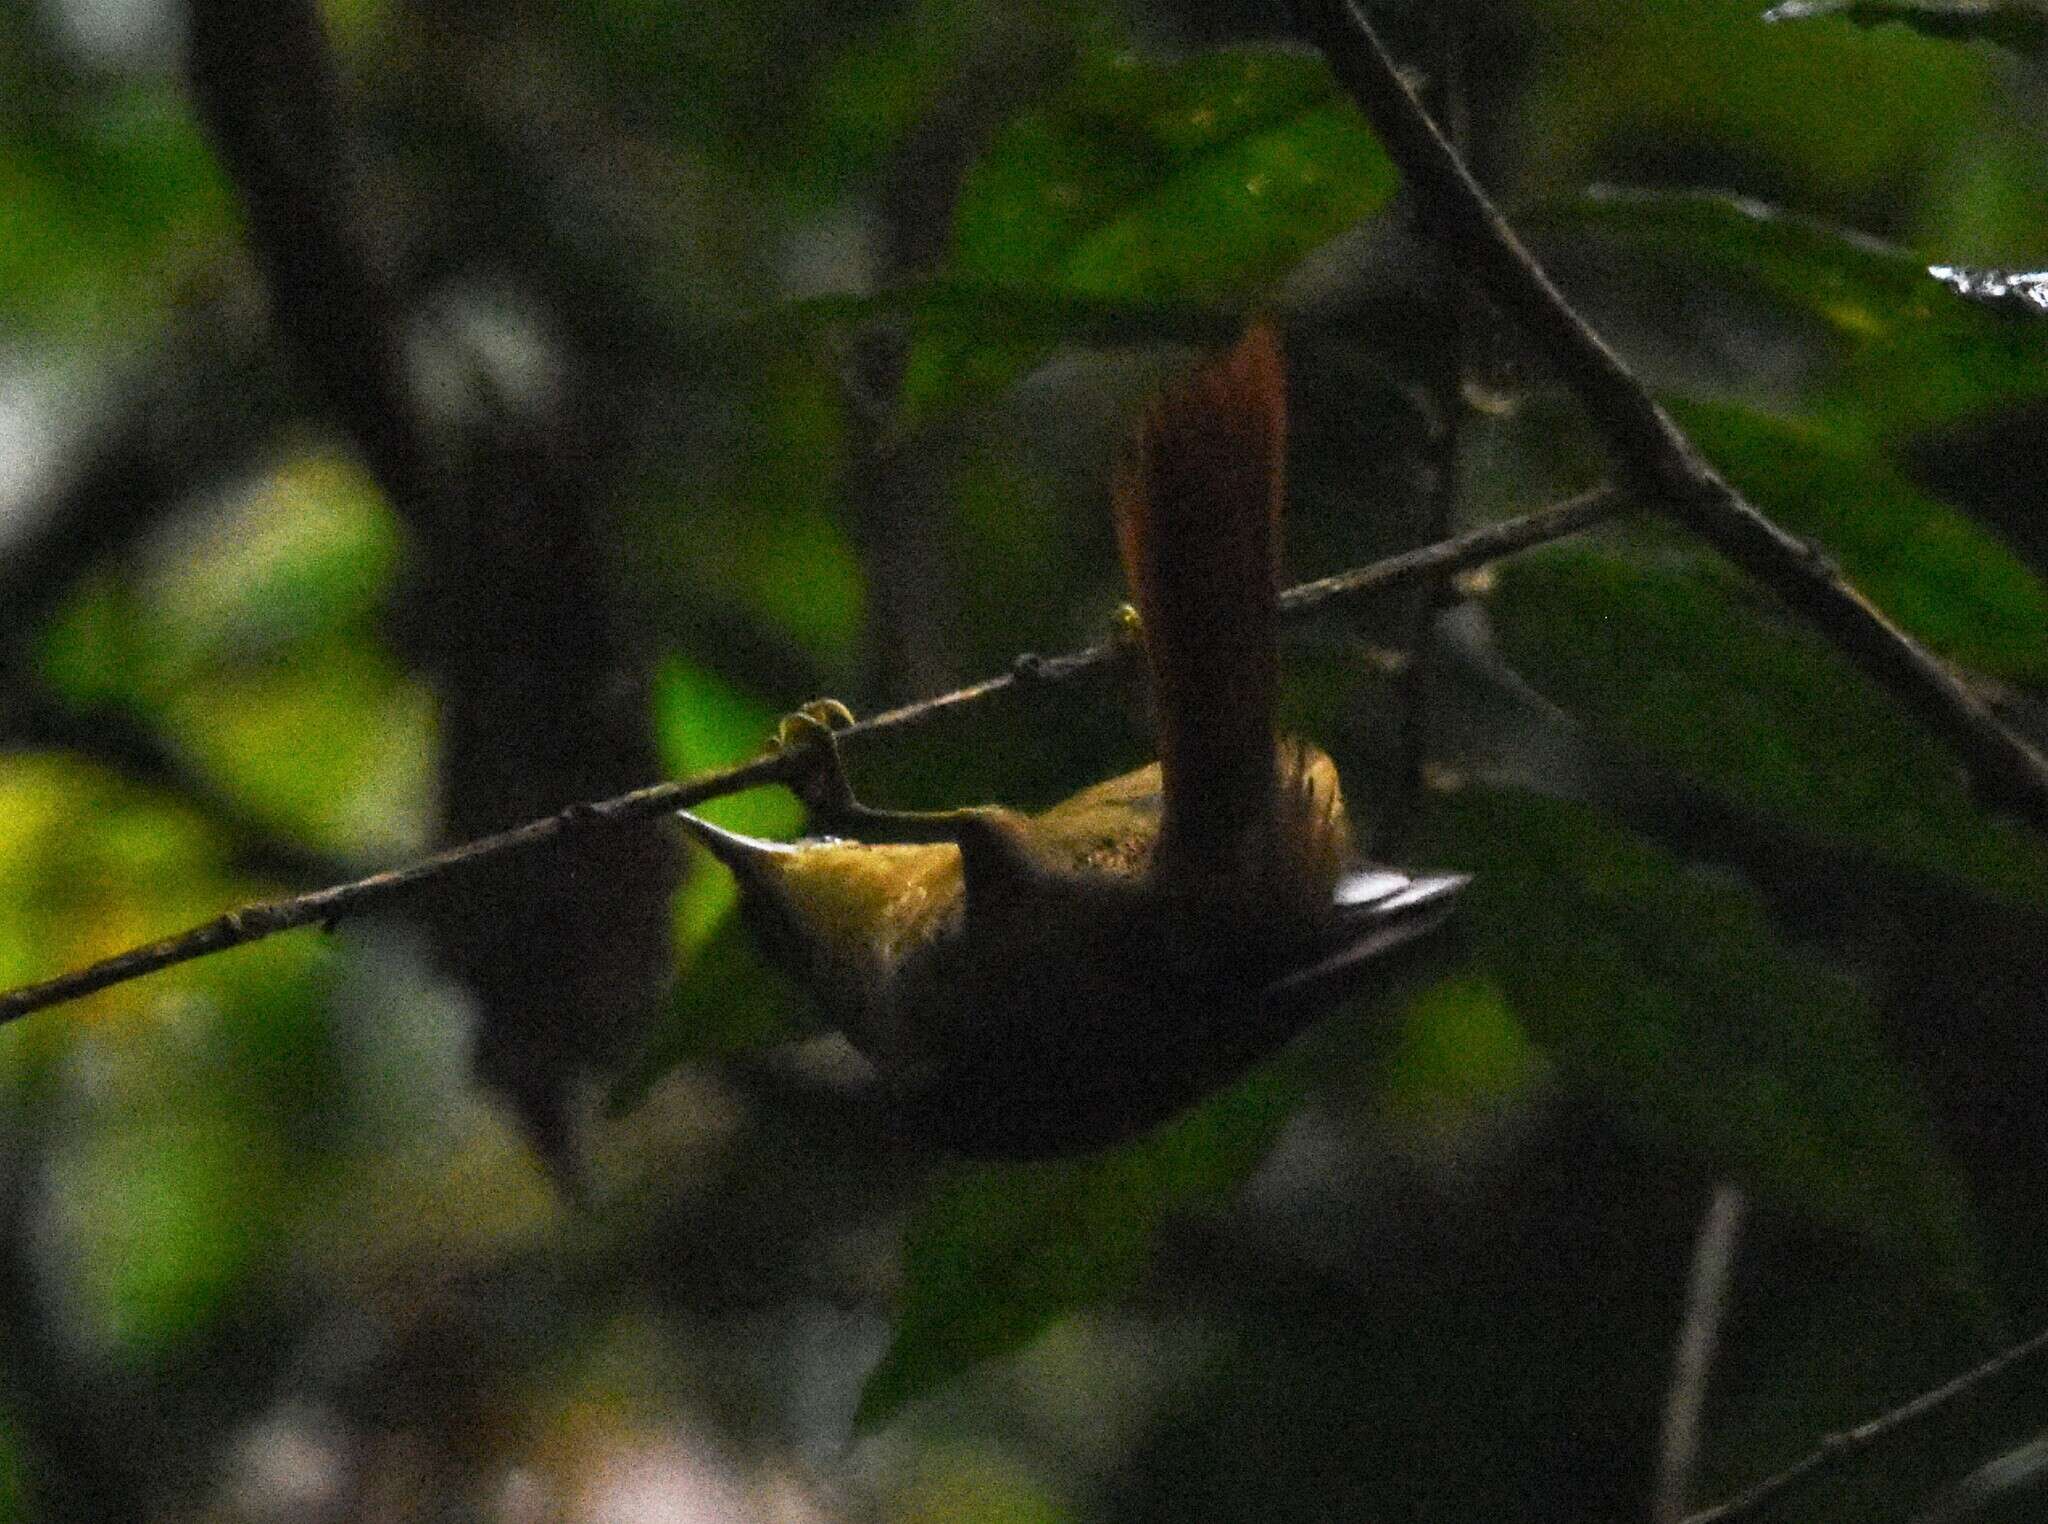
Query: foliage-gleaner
1030, 986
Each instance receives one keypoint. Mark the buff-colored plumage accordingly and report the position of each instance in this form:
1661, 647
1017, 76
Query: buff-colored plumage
1035, 985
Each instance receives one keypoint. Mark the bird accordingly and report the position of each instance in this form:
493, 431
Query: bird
1038, 986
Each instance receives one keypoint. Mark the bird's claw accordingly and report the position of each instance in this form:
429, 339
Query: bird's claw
810, 735
811, 724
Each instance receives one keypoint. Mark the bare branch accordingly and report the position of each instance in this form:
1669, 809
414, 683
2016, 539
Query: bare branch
1835, 1449
1475, 547
1654, 457
327, 907
1441, 395
1699, 1337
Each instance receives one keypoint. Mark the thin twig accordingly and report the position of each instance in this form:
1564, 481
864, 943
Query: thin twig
1699, 1338
327, 907
1462, 552
1446, 28
1835, 1449
1654, 457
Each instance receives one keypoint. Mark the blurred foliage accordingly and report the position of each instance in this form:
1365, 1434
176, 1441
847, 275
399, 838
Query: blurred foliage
1207, 177
268, 1255
1644, 651
2021, 26
999, 1252
258, 621
1678, 1003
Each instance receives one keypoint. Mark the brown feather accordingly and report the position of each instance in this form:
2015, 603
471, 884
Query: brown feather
1198, 497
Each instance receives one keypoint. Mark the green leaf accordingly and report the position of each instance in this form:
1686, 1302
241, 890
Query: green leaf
1952, 584
335, 747
1899, 364
249, 641
969, 1482
1906, 356
873, 94
1670, 991
201, 1093
999, 1252
792, 565
1856, 283
91, 864
308, 551
101, 205
760, 528
1666, 652
311, 550
1461, 1051
704, 723
1853, 120
2013, 24
1201, 180
727, 997
163, 1218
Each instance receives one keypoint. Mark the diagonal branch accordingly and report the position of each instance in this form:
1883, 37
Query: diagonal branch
1834, 1449
327, 907
1653, 456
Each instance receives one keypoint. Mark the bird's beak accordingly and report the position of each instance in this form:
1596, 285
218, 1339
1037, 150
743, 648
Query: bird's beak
745, 856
